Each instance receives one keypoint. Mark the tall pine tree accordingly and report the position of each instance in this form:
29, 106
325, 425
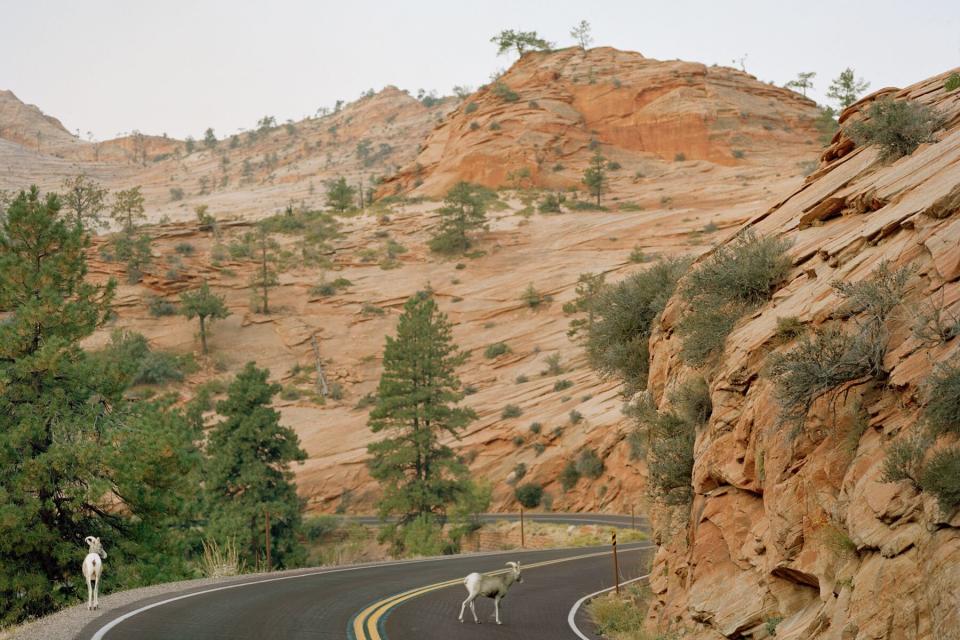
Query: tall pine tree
416, 407
249, 473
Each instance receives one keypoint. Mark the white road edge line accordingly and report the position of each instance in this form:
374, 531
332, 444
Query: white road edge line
102, 631
576, 606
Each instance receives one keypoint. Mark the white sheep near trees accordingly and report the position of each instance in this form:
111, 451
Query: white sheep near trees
92, 569
494, 586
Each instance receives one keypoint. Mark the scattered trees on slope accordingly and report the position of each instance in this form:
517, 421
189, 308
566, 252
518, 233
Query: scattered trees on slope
464, 211
202, 303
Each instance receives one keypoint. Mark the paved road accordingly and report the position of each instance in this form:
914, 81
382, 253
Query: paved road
361, 602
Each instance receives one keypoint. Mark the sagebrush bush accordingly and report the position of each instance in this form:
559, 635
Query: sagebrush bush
320, 527
562, 385
569, 476
876, 296
519, 471
535, 427
531, 297
670, 437
789, 328
617, 339
495, 350
554, 366
736, 277
942, 413
575, 417
818, 364
622, 616
904, 459
941, 477
898, 127
511, 411
589, 464
158, 307
933, 324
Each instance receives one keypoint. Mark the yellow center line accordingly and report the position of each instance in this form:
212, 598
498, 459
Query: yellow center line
366, 623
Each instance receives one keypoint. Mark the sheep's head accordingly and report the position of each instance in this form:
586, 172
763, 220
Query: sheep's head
95, 546
516, 571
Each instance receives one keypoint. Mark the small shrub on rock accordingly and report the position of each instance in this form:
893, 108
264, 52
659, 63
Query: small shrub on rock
898, 127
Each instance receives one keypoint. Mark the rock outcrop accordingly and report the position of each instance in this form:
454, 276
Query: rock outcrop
793, 528
539, 123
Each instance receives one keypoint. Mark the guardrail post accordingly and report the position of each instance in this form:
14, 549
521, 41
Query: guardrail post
616, 567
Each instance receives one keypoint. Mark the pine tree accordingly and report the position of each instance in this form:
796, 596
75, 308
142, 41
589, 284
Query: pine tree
582, 34
249, 472
203, 304
265, 276
340, 194
846, 88
595, 176
519, 40
209, 138
803, 81
127, 209
84, 198
416, 406
463, 211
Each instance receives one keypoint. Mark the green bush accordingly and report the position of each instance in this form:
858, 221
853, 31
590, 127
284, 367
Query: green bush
518, 441
504, 92
637, 256
617, 339
554, 366
531, 297
158, 367
551, 203
422, 537
320, 527
539, 448
575, 417
369, 309
185, 249
561, 385
470, 108
818, 364
898, 127
789, 328
569, 476
519, 471
521, 379
941, 477
934, 325
942, 413
535, 427
589, 464
904, 459
511, 411
623, 616
736, 277
158, 307
496, 350
679, 157
529, 494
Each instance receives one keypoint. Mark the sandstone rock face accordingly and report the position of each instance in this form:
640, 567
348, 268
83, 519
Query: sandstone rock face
797, 525
540, 122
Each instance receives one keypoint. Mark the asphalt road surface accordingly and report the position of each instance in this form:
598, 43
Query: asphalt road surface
417, 599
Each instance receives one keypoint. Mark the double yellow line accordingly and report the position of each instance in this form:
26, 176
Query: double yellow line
366, 624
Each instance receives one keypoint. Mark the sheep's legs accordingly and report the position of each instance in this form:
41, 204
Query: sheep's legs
473, 609
96, 592
496, 609
89, 594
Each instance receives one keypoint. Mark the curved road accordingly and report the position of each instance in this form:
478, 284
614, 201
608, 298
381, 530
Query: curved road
415, 599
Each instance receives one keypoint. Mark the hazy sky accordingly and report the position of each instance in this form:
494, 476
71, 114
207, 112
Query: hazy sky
178, 66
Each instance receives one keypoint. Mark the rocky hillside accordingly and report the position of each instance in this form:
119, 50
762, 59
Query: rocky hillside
791, 527
658, 206
539, 123
248, 175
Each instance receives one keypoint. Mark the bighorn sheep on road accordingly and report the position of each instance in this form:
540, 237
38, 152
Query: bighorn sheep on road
92, 568
494, 587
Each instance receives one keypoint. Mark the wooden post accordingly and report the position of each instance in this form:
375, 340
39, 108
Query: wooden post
522, 541
616, 567
633, 521
321, 378
268, 541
